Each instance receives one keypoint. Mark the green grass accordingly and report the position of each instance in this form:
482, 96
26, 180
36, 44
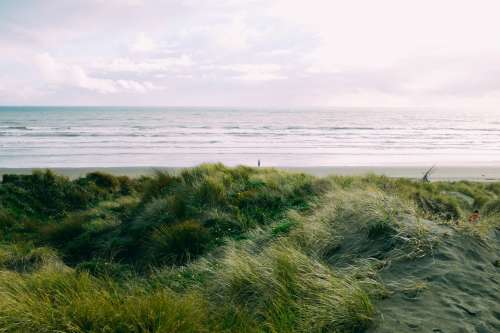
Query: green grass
25, 258
54, 300
284, 290
217, 249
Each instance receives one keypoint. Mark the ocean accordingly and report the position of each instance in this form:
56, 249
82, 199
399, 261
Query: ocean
176, 137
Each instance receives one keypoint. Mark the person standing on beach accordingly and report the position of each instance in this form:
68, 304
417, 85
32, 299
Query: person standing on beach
258, 163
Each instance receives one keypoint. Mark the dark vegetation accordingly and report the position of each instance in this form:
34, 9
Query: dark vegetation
146, 222
214, 248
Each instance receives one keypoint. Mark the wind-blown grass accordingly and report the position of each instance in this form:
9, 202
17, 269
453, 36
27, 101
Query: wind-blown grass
217, 249
62, 301
284, 290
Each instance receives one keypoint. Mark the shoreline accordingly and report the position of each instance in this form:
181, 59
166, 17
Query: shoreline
447, 173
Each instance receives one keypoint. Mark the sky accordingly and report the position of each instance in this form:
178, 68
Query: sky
255, 53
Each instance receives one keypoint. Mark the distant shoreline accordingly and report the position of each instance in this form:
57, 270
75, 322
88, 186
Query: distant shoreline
472, 173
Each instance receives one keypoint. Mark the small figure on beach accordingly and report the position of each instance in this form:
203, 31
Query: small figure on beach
474, 218
258, 163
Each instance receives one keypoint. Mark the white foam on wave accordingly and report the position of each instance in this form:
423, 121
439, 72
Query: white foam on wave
73, 137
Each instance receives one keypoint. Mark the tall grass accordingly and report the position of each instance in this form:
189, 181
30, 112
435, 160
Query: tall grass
217, 249
25, 257
222, 203
491, 207
284, 290
63, 301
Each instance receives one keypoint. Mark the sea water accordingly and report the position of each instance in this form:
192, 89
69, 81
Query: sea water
171, 136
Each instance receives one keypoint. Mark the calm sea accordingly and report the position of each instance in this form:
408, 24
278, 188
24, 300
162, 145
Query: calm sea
139, 136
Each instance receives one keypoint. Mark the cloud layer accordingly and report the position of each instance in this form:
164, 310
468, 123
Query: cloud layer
251, 52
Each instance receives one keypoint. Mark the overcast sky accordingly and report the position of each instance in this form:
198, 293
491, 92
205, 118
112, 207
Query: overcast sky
443, 53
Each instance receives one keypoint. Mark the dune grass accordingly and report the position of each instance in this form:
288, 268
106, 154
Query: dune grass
217, 249
58, 300
284, 290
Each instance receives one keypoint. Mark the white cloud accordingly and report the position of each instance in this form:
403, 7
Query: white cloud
377, 34
62, 74
15, 89
394, 52
234, 35
367, 98
259, 76
141, 87
143, 43
231, 34
130, 3
252, 67
144, 66
255, 72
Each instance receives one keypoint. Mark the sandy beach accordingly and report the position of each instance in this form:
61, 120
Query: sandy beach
448, 173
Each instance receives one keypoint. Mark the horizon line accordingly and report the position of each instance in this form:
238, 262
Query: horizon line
236, 106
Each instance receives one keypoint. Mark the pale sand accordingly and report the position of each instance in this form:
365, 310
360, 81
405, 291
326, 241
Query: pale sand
475, 173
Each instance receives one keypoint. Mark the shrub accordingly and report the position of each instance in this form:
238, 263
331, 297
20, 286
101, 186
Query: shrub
439, 206
479, 195
73, 237
159, 211
221, 224
211, 192
103, 180
491, 207
493, 187
178, 243
58, 234
159, 185
7, 223
127, 185
283, 227
105, 269
25, 258
44, 194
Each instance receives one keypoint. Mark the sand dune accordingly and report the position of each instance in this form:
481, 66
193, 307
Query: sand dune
457, 288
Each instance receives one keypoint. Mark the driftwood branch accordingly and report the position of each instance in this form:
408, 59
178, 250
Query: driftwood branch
427, 175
